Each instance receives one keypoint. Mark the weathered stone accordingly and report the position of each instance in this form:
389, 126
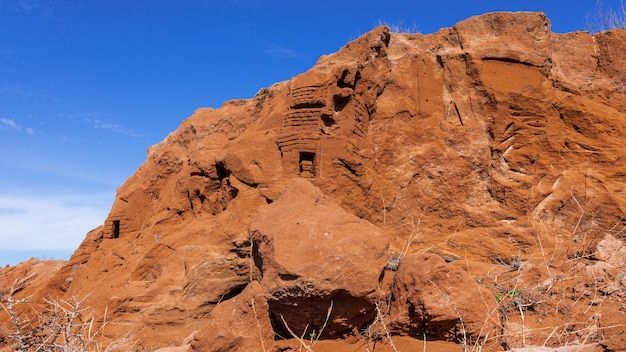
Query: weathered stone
239, 324
439, 300
313, 254
495, 141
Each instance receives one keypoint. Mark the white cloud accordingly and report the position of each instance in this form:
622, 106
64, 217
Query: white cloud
51, 222
8, 124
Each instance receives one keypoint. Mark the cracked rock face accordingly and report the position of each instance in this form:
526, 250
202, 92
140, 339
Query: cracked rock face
495, 145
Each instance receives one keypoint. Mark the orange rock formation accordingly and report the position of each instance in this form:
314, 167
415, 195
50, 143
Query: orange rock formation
465, 188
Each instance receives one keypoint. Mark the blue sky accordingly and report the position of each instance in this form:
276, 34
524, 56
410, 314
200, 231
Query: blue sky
87, 86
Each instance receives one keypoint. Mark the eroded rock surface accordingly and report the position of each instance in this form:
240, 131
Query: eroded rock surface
314, 257
431, 297
495, 145
239, 324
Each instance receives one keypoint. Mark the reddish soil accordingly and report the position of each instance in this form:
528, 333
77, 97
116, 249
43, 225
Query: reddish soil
464, 189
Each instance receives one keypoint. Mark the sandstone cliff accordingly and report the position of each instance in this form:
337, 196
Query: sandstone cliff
467, 186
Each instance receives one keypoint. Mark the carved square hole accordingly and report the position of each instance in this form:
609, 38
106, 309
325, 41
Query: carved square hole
307, 164
115, 229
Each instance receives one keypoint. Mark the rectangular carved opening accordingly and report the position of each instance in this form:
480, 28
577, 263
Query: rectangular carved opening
307, 164
115, 229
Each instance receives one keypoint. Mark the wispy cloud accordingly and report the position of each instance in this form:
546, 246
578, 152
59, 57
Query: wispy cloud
27, 6
57, 222
33, 7
282, 52
8, 124
16, 90
94, 120
113, 127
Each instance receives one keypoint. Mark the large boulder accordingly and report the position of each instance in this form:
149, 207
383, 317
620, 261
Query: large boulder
438, 300
238, 324
315, 258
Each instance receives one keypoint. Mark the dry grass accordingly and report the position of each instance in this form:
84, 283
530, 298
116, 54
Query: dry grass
62, 325
401, 27
313, 336
606, 19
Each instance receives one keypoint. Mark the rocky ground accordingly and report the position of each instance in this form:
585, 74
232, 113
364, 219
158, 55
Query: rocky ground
458, 191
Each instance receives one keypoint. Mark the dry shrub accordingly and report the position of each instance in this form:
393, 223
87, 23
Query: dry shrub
62, 325
604, 20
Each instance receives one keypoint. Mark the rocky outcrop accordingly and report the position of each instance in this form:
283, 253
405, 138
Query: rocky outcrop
320, 266
239, 324
431, 297
484, 162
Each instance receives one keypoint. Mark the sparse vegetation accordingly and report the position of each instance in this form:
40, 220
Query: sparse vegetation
514, 264
313, 335
401, 27
377, 330
62, 325
606, 19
